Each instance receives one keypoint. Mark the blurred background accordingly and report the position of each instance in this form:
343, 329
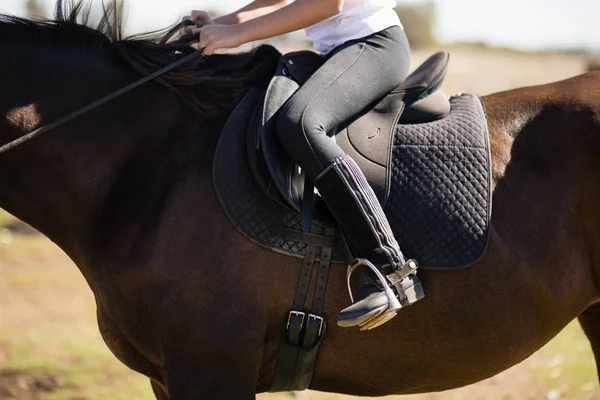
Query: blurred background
50, 347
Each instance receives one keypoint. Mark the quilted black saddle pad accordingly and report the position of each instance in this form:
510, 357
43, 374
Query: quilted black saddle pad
439, 205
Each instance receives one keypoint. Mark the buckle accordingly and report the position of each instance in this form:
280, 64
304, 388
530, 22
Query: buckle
407, 269
319, 319
295, 314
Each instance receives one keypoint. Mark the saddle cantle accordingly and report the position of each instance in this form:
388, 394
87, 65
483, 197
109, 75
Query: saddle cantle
426, 157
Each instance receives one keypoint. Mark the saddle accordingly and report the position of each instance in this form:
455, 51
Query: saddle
425, 155
366, 139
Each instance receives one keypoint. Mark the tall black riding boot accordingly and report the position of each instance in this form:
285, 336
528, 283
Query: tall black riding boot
352, 201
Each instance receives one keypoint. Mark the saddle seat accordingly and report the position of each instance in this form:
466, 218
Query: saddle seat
367, 139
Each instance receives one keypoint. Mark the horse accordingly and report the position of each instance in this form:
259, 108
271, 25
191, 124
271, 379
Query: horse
126, 192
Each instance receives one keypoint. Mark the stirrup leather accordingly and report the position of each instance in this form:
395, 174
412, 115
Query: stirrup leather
387, 282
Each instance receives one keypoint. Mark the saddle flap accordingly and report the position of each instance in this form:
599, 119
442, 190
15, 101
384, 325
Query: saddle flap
426, 79
368, 140
286, 177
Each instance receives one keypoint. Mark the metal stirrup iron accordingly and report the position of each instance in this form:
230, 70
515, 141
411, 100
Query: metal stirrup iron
387, 282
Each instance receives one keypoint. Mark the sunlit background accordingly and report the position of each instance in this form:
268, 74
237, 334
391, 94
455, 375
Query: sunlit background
522, 24
50, 347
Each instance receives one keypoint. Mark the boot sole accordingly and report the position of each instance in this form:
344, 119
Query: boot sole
362, 319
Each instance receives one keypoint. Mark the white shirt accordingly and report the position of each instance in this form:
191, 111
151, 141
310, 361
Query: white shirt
358, 19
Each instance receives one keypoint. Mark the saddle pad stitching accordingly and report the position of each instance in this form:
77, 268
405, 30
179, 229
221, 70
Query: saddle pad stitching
476, 149
428, 193
466, 123
445, 146
488, 230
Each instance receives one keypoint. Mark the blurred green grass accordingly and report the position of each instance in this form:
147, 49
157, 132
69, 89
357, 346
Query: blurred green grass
48, 325
567, 365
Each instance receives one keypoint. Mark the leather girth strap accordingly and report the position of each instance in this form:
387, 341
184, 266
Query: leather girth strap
305, 326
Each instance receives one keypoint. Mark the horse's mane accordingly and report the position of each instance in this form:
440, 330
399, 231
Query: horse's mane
211, 88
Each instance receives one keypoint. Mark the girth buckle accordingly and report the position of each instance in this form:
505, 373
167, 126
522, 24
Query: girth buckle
293, 313
318, 319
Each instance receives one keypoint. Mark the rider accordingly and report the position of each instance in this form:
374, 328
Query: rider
367, 55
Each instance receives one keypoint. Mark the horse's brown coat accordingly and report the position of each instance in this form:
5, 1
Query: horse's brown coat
183, 298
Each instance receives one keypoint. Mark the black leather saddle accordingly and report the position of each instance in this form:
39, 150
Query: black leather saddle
425, 155
367, 138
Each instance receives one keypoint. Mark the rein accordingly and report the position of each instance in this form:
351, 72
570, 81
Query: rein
99, 102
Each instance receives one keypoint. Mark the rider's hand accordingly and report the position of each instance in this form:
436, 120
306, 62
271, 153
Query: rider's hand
199, 18
214, 37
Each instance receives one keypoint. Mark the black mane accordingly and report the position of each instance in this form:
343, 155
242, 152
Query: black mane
211, 88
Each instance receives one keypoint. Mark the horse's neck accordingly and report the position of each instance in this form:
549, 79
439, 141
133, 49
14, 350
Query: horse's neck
143, 187
101, 169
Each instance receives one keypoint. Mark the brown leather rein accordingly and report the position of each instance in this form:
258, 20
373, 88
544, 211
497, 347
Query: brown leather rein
99, 102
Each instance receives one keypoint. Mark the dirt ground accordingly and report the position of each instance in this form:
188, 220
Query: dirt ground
20, 385
50, 347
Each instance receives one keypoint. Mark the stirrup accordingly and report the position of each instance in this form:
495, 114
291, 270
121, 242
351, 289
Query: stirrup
394, 304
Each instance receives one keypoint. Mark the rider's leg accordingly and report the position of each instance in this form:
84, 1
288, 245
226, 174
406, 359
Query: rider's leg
358, 75
355, 76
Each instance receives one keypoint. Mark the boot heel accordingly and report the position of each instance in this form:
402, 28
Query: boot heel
413, 289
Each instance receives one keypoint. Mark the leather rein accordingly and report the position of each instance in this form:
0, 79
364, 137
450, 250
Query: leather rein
95, 104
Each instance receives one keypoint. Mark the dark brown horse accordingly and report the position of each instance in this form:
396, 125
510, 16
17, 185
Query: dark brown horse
126, 191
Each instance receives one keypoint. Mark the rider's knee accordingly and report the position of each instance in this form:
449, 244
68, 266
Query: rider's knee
296, 123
